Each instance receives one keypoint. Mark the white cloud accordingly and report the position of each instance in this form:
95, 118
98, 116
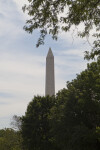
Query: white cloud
10, 21
23, 70
19, 5
20, 79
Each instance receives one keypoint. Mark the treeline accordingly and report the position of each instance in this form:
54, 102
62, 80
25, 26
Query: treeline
10, 139
70, 120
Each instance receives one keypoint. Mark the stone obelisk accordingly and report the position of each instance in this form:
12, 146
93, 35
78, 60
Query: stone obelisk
50, 77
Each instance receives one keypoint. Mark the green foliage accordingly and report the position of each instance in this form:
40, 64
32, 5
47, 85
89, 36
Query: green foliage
48, 16
81, 116
10, 140
68, 121
36, 130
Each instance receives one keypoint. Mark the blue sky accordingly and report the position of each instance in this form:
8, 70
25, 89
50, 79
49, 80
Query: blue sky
22, 65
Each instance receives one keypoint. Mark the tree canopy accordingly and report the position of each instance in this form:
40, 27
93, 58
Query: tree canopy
10, 139
36, 131
81, 114
68, 121
52, 16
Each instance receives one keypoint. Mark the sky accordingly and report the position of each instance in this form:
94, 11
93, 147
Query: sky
22, 65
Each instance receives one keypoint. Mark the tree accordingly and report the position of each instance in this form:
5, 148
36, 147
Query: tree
36, 130
10, 139
51, 16
80, 123
68, 121
16, 123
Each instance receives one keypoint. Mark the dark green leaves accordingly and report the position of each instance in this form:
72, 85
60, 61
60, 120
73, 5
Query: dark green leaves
36, 131
68, 121
10, 139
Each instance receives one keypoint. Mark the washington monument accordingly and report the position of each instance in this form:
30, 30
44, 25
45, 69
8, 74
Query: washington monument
50, 77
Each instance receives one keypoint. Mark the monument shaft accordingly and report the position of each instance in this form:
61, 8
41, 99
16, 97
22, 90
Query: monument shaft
50, 79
